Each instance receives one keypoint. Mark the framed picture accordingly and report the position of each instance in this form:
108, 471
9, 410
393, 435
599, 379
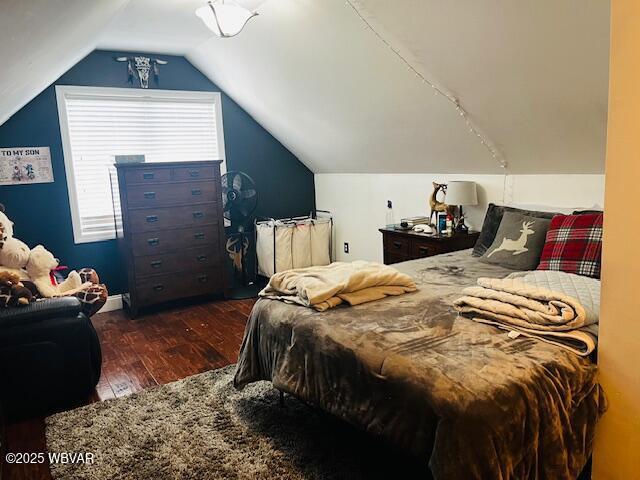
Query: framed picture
23, 165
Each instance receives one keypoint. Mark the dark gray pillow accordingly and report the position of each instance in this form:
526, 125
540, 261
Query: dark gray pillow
519, 242
586, 212
492, 221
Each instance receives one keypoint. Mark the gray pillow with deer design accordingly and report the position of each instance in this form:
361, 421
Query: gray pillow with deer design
519, 242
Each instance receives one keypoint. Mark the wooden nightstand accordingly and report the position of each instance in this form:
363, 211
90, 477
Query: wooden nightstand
403, 245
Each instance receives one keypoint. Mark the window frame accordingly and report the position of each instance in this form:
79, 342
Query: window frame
62, 91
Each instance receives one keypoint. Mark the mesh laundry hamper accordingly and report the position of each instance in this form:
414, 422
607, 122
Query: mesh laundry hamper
293, 242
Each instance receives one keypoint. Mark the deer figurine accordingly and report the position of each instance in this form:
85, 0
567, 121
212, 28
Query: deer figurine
435, 204
516, 246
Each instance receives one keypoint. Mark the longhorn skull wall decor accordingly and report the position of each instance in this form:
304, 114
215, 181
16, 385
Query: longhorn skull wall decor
143, 66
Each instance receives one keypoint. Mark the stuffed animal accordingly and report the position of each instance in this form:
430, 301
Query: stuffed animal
6, 226
41, 267
14, 256
35, 271
13, 253
12, 291
93, 297
85, 284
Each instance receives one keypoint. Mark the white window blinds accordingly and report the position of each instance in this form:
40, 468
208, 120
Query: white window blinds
97, 124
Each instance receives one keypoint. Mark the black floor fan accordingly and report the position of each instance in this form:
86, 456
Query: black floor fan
239, 201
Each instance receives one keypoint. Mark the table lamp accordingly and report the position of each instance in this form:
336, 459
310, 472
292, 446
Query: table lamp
461, 193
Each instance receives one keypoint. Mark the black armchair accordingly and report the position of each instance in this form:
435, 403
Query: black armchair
50, 357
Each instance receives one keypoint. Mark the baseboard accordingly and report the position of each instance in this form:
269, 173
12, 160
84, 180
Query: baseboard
114, 302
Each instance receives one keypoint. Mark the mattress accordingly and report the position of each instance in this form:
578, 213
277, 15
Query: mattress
463, 396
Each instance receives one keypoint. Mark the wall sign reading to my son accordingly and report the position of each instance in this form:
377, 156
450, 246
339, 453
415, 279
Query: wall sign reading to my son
21, 165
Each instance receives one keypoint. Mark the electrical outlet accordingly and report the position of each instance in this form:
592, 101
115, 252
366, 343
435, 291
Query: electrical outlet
346, 247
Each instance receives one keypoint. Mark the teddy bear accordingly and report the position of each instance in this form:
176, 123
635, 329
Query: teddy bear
41, 266
83, 284
16, 252
6, 226
37, 269
13, 292
14, 255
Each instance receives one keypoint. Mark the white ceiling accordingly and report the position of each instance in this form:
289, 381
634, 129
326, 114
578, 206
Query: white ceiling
42, 39
532, 73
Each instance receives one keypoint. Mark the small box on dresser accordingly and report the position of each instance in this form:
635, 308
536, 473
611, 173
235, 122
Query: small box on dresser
171, 232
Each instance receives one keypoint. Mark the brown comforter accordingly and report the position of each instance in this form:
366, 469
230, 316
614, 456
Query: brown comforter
462, 395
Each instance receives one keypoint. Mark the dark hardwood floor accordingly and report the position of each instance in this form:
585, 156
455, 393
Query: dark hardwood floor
153, 349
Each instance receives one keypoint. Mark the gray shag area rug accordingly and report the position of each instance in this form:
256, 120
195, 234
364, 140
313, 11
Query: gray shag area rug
203, 428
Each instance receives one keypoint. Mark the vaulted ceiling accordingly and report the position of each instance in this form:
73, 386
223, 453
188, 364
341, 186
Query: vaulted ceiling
532, 74
41, 39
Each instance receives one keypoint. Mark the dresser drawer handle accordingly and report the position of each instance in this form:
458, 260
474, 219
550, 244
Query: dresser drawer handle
158, 288
152, 218
198, 214
397, 244
196, 192
422, 248
156, 264
153, 242
194, 174
149, 194
203, 279
201, 258
148, 176
198, 236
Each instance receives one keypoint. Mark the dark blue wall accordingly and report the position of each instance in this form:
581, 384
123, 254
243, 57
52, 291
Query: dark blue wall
41, 211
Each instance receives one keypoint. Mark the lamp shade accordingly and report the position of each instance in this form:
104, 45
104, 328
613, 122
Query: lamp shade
224, 19
461, 193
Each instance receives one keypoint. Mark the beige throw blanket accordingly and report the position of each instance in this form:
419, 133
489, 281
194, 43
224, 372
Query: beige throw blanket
556, 307
324, 287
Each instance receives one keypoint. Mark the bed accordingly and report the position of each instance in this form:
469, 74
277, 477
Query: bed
461, 395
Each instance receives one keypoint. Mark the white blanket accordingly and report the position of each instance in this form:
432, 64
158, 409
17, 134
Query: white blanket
326, 286
556, 307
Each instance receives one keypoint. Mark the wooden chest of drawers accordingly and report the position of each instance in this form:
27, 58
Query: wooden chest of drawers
403, 245
172, 232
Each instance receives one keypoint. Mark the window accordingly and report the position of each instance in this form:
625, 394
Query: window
98, 123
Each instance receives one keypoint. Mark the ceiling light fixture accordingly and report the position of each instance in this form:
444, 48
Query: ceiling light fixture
224, 19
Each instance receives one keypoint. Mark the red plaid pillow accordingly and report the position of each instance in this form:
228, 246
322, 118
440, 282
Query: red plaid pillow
574, 245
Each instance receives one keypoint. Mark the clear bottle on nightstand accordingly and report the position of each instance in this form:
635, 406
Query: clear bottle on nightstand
390, 218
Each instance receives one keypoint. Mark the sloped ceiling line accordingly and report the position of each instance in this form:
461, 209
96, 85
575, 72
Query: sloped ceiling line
437, 89
42, 39
532, 73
